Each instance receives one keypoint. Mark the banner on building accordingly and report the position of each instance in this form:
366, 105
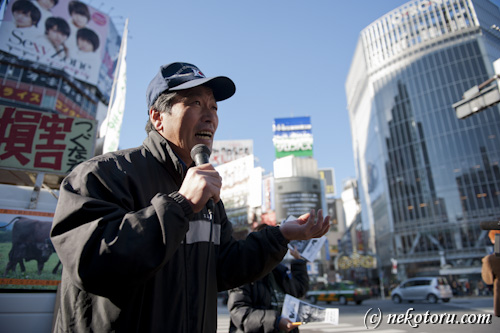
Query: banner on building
356, 260
293, 136
21, 83
42, 141
328, 175
394, 266
268, 194
236, 187
69, 36
297, 203
110, 129
224, 151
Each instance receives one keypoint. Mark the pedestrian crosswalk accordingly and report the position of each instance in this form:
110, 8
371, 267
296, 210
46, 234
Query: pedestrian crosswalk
223, 327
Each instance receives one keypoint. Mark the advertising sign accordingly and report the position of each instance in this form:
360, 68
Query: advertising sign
293, 136
236, 187
268, 193
328, 175
69, 36
235, 181
224, 151
297, 203
42, 141
39, 89
356, 260
27, 258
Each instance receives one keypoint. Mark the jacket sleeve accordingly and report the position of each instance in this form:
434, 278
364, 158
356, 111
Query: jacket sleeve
244, 261
247, 318
105, 245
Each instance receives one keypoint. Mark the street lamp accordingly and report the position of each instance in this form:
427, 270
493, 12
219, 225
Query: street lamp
480, 96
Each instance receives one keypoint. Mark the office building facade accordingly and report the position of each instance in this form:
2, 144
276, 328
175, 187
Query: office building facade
426, 178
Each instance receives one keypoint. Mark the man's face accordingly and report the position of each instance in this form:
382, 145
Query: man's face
84, 45
23, 20
79, 20
56, 37
193, 120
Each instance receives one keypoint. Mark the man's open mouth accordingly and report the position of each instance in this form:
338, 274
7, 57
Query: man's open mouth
204, 135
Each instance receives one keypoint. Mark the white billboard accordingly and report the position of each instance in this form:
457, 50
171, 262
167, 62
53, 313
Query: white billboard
224, 151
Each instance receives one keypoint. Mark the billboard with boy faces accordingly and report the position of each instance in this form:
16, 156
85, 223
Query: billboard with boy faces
63, 34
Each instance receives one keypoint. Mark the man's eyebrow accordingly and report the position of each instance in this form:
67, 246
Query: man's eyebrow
191, 94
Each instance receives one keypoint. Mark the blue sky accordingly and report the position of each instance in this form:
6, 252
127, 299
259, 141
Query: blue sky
286, 57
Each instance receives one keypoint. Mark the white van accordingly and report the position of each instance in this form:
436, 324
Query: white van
431, 289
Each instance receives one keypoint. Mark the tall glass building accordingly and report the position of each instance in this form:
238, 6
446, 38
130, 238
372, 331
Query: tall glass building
426, 178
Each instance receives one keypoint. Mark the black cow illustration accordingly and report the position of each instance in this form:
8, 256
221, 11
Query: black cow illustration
30, 241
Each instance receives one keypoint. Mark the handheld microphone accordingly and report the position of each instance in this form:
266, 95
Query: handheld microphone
200, 154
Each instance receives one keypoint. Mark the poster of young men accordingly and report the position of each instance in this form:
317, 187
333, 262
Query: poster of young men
65, 35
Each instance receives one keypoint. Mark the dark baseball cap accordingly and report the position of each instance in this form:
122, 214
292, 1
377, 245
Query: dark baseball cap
180, 76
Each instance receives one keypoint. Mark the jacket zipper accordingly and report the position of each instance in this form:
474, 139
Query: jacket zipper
186, 288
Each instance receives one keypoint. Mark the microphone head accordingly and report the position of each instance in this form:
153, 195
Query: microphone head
199, 153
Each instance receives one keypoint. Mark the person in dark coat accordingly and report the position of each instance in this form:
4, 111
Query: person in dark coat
256, 307
142, 234
490, 273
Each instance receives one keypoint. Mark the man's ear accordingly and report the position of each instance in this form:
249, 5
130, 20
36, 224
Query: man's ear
156, 119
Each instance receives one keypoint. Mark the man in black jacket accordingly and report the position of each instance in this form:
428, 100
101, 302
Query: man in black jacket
141, 252
256, 307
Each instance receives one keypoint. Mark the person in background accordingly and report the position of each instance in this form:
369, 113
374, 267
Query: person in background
142, 234
45, 7
490, 272
26, 14
80, 17
23, 26
256, 307
80, 14
53, 42
87, 40
87, 45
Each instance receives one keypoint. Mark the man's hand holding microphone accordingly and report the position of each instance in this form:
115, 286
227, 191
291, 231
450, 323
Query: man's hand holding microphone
203, 183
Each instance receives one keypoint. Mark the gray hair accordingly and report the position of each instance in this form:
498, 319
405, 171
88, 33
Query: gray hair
163, 103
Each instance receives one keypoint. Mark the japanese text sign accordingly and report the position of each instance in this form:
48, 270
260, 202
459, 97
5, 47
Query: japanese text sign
42, 141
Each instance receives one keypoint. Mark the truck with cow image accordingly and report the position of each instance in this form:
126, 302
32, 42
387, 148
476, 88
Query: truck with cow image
28, 282
38, 150
27, 256
30, 240
49, 118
